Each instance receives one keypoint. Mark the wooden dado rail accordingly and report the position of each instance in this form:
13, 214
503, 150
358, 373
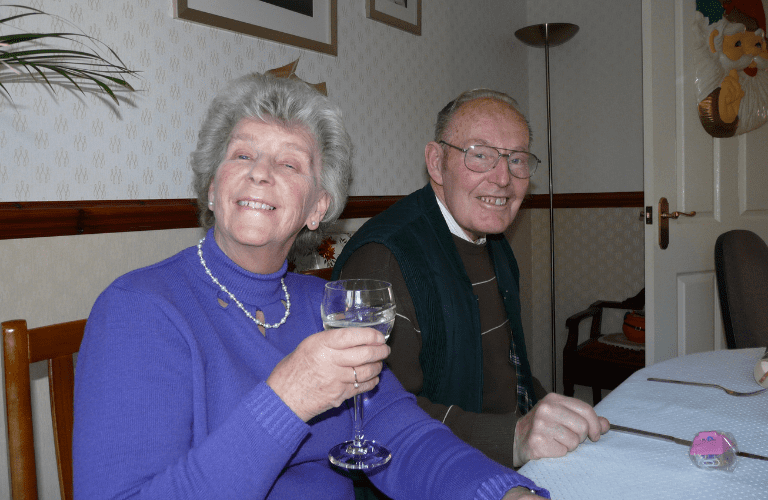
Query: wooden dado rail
65, 218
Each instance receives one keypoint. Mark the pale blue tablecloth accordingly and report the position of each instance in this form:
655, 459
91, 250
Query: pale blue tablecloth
625, 466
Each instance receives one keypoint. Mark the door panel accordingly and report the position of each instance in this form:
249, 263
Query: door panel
694, 289
753, 178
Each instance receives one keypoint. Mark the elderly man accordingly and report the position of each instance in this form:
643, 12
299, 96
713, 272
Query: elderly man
458, 343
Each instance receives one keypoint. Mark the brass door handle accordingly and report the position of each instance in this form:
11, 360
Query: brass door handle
664, 217
675, 215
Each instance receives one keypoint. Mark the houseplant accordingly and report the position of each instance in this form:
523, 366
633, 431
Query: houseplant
85, 63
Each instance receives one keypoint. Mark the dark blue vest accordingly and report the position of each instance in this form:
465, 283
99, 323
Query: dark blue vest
447, 310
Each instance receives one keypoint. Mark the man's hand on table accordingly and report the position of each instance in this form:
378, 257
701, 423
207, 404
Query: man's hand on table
555, 426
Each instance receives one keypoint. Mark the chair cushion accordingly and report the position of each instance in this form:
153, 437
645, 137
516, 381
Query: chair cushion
621, 340
601, 353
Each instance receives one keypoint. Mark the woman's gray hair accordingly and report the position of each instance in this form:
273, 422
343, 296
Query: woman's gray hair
290, 103
445, 115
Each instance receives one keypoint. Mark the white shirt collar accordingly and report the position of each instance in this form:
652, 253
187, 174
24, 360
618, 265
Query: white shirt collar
454, 227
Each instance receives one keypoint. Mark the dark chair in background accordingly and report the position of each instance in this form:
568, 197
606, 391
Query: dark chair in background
595, 363
21, 347
741, 265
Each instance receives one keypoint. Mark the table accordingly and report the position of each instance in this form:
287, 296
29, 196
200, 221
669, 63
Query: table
627, 466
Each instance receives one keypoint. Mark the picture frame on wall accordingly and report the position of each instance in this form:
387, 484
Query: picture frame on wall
308, 24
402, 14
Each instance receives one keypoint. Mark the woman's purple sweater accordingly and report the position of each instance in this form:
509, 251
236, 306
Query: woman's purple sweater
171, 400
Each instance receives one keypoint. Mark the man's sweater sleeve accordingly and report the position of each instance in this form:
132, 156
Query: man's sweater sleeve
493, 434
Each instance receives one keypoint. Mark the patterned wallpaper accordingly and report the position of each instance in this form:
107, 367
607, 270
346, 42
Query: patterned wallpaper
599, 255
389, 83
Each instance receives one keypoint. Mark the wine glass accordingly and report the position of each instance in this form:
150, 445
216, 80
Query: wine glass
359, 303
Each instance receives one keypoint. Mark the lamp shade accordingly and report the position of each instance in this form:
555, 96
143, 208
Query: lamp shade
552, 34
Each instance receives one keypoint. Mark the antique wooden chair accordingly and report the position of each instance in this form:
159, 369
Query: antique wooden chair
324, 272
21, 346
595, 363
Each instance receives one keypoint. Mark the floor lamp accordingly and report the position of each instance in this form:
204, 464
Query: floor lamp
549, 35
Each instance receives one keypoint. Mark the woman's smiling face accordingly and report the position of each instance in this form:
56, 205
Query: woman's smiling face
265, 191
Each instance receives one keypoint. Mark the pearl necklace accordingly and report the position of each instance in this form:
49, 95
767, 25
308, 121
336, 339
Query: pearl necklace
239, 304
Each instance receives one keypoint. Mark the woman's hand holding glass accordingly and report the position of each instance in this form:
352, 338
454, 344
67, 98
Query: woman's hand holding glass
363, 302
320, 373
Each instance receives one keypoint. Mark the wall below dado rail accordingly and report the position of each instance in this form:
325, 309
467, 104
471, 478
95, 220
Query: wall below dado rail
52, 279
599, 255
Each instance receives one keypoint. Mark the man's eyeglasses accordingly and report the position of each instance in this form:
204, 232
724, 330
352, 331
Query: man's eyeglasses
479, 158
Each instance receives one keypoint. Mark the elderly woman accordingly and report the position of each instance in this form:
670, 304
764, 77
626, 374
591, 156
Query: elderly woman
209, 375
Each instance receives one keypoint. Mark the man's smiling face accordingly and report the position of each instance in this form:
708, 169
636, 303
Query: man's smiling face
482, 203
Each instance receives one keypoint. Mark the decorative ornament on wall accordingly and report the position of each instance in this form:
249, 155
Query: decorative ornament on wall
84, 64
731, 59
289, 71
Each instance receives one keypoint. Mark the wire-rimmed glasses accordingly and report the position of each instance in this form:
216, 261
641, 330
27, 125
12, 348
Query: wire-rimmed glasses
479, 158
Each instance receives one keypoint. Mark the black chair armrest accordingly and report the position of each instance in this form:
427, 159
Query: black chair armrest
595, 311
572, 324
609, 304
635, 303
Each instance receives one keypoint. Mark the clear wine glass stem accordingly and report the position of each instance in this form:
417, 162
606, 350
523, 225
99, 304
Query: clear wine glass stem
358, 303
358, 420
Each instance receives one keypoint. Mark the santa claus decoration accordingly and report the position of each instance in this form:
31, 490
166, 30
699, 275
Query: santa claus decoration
731, 58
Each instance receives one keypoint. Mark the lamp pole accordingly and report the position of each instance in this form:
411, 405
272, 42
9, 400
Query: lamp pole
549, 35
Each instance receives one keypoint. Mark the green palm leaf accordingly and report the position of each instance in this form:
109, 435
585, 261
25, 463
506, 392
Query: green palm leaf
30, 52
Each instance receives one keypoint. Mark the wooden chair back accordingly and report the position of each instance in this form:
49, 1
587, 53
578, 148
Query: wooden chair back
22, 346
324, 273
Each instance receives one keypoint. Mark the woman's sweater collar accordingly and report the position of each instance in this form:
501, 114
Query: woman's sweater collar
248, 287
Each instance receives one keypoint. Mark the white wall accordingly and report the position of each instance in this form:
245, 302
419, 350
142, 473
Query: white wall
389, 83
595, 97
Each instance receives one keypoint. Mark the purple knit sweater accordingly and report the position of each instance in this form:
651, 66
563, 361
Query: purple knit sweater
171, 400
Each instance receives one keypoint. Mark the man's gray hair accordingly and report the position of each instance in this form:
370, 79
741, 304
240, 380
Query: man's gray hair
287, 102
446, 114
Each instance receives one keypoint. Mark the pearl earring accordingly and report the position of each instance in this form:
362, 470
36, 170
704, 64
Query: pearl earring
210, 203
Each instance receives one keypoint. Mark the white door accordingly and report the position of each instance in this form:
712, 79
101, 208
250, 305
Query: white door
725, 181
